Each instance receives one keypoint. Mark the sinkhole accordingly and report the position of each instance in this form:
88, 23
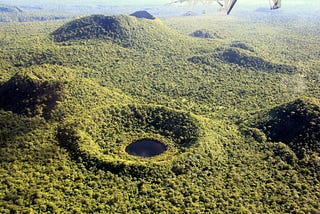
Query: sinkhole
146, 148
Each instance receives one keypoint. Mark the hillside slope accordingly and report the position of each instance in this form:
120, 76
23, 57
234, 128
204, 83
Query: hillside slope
127, 31
296, 124
30, 94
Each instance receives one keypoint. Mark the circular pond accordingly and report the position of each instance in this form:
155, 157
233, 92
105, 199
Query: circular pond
146, 148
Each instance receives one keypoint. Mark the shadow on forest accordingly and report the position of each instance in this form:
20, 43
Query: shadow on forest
29, 96
14, 125
297, 124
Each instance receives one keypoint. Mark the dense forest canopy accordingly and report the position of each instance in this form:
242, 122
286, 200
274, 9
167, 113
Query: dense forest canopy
234, 100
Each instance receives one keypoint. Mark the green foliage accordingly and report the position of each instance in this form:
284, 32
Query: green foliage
201, 34
142, 14
241, 58
296, 124
101, 140
28, 94
96, 26
126, 31
81, 102
235, 56
241, 45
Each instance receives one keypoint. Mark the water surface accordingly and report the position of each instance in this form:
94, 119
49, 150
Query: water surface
146, 148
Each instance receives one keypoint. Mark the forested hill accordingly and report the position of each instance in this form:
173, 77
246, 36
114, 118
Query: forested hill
236, 119
127, 31
296, 124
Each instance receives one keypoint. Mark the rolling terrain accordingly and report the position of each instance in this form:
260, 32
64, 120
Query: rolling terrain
238, 113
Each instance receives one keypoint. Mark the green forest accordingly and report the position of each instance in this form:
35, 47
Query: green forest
234, 100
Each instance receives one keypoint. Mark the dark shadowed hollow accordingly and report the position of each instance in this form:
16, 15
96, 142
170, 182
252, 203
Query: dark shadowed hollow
146, 148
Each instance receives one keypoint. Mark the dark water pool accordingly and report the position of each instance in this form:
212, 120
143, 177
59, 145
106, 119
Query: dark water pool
146, 148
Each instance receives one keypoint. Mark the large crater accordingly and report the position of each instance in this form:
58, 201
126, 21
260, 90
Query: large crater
110, 138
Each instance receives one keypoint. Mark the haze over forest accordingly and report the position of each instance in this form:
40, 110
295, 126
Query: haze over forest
160, 7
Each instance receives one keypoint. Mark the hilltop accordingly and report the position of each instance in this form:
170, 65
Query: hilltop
30, 94
296, 124
96, 26
202, 34
127, 31
240, 55
142, 14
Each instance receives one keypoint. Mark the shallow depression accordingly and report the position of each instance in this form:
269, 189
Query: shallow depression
146, 148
